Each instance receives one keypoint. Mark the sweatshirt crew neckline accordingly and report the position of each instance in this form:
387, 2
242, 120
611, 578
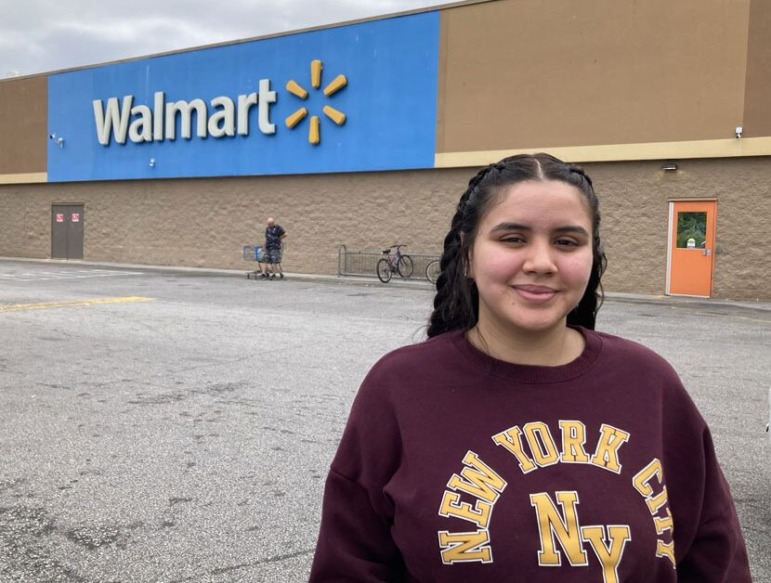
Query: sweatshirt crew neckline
526, 373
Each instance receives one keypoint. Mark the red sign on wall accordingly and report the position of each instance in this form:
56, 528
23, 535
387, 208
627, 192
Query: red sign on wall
75, 217
59, 217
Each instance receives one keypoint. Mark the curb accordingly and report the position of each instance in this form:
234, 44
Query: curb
417, 284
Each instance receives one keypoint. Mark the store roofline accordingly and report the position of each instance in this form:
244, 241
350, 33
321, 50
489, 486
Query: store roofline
446, 6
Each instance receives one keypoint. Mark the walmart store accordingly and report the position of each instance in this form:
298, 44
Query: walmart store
364, 134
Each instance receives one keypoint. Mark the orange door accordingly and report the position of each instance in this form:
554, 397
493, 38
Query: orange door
691, 247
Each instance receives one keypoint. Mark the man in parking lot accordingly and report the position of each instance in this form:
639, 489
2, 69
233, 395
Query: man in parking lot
274, 235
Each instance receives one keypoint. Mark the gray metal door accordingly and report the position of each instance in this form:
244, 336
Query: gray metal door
67, 231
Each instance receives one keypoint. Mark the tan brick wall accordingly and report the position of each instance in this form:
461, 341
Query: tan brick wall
743, 260
634, 225
204, 222
634, 198
23, 120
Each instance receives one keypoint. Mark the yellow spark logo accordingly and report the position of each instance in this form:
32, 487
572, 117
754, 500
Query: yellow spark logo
314, 132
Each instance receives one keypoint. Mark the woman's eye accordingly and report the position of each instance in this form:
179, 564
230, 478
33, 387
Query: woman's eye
566, 243
512, 239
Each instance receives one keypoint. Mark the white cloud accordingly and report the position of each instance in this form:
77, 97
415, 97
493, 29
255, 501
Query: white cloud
46, 35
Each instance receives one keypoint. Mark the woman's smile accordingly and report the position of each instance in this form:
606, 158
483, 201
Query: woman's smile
534, 293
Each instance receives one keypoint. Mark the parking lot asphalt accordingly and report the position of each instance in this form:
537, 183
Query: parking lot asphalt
166, 425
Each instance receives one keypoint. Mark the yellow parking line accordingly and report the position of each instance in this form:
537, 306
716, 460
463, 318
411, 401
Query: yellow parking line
72, 303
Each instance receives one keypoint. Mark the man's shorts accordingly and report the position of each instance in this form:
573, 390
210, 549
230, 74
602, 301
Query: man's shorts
273, 255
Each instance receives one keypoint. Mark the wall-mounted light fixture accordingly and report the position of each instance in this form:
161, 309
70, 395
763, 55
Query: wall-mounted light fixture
57, 139
738, 132
669, 166
151, 163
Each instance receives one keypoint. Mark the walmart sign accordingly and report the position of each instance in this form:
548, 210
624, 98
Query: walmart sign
138, 123
352, 98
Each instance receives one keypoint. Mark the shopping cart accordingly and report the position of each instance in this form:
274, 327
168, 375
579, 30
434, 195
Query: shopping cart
253, 253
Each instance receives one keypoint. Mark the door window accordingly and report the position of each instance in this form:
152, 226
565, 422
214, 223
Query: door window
691, 230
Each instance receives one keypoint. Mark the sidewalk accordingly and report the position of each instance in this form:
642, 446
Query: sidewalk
402, 283
689, 301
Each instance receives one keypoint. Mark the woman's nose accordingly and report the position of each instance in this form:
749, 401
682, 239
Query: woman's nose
540, 258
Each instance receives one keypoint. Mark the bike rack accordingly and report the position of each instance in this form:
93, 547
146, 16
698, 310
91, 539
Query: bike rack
363, 263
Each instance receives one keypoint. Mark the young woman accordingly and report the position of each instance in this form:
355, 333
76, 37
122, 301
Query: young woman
516, 443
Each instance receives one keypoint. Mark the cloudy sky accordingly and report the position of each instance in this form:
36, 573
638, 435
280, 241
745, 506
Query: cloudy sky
37, 36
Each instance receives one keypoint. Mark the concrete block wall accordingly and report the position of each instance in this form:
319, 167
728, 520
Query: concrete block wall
205, 222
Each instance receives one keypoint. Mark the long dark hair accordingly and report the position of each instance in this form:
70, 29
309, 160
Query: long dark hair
456, 303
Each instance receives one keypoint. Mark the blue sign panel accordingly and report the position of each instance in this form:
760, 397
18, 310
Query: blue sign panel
351, 98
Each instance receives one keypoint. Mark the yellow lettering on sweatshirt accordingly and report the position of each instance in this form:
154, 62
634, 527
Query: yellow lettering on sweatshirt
555, 527
649, 482
542, 449
609, 554
465, 547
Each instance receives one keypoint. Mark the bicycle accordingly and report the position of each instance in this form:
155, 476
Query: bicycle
396, 263
433, 269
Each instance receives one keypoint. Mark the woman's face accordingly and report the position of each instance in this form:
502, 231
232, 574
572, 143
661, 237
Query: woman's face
531, 258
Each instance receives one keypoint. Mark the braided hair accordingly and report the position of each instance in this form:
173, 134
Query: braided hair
456, 303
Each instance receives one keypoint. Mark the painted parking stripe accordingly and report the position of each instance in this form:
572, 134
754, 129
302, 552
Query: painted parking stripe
73, 303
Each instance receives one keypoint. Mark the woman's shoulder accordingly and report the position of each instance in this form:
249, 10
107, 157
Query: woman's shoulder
390, 383
426, 352
632, 350
409, 364
638, 366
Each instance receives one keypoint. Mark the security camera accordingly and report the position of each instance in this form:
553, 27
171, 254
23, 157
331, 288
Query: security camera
52, 136
739, 131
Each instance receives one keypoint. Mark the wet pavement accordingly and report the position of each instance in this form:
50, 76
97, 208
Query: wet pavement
169, 426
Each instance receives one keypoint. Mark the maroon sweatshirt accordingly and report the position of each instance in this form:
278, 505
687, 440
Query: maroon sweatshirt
457, 467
